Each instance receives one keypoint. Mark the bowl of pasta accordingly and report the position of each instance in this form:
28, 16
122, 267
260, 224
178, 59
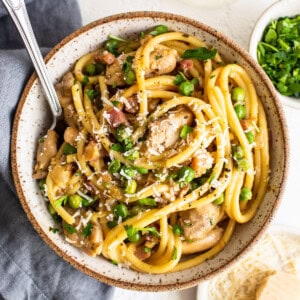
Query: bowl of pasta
161, 174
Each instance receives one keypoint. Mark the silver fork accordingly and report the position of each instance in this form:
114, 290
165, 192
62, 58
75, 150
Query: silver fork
17, 11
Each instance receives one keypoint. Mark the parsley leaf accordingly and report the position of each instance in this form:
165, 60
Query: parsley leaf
201, 53
85, 80
174, 256
159, 30
61, 201
87, 230
177, 229
69, 228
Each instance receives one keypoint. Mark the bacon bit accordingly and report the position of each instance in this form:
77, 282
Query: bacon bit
131, 104
105, 57
246, 124
140, 253
91, 187
116, 117
186, 65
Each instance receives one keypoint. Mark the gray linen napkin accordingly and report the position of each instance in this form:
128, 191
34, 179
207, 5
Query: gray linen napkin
29, 269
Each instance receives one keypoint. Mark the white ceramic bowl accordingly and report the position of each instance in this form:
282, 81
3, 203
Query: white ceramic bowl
33, 118
282, 8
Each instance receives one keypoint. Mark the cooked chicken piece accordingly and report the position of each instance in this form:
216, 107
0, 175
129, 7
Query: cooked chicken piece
63, 89
91, 242
164, 132
61, 175
91, 151
115, 117
47, 148
114, 72
210, 240
198, 222
67, 83
131, 104
63, 100
152, 104
70, 135
201, 162
70, 115
105, 57
64, 94
162, 61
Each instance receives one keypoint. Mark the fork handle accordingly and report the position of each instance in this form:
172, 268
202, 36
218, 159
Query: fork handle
17, 11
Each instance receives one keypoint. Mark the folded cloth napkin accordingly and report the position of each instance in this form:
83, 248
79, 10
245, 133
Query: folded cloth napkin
29, 269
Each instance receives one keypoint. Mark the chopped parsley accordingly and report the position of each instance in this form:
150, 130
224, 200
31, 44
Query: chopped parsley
201, 53
87, 230
61, 201
69, 228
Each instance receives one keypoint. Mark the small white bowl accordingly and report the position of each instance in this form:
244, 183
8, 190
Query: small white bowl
282, 8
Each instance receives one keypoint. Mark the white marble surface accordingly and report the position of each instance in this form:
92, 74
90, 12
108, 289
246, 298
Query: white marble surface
236, 19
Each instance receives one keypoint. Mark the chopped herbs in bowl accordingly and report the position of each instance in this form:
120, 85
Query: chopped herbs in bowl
279, 54
275, 44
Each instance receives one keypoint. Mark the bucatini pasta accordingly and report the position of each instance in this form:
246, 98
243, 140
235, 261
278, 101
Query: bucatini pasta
164, 150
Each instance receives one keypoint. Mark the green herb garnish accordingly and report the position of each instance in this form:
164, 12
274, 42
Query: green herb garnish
87, 230
201, 53
69, 228
279, 54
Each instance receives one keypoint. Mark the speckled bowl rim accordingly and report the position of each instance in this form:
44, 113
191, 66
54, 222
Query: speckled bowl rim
201, 27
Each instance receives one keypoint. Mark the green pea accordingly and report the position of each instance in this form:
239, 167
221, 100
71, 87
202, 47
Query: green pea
130, 77
238, 94
135, 237
240, 111
186, 88
90, 69
114, 166
133, 155
186, 174
75, 201
51, 209
141, 170
128, 144
121, 210
121, 133
250, 137
219, 200
238, 152
127, 172
246, 194
243, 164
130, 186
